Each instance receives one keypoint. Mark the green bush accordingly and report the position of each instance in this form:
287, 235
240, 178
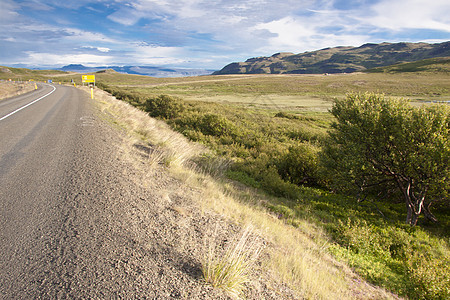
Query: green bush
428, 278
215, 125
208, 124
243, 178
286, 115
275, 185
164, 106
300, 165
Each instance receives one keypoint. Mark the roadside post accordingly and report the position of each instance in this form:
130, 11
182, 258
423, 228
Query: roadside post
90, 80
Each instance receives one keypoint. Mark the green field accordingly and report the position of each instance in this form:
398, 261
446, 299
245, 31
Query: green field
293, 91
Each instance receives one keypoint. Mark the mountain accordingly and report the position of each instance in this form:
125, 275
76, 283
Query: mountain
338, 59
436, 65
139, 70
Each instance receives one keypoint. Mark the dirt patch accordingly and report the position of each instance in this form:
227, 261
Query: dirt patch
11, 88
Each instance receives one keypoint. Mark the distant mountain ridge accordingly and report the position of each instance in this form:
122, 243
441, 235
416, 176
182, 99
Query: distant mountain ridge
338, 59
139, 70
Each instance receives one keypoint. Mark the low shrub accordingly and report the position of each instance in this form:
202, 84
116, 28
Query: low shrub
300, 165
215, 125
428, 278
229, 269
164, 106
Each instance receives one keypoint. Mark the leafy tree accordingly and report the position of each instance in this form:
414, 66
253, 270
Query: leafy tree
388, 144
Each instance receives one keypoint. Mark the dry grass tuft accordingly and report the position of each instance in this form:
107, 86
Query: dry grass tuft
229, 269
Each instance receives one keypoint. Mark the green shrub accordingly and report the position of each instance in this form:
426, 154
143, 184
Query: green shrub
300, 165
243, 177
428, 278
286, 115
164, 106
275, 185
215, 125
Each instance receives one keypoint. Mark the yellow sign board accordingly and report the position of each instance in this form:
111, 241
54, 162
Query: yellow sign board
88, 78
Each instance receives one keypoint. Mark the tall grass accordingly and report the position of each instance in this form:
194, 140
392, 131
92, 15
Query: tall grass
229, 269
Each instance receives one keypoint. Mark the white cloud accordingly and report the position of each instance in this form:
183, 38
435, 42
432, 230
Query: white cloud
34, 58
143, 53
297, 34
101, 49
75, 34
410, 14
226, 20
8, 11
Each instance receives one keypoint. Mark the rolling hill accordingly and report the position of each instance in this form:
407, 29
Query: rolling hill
438, 64
338, 59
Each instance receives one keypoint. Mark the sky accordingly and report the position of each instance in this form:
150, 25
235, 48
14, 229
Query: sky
204, 33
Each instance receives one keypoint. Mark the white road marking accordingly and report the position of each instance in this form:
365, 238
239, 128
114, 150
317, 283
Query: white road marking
25, 106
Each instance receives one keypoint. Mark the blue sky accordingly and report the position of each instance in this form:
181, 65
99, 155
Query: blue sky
204, 33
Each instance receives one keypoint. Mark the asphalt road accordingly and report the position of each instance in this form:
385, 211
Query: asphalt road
37, 147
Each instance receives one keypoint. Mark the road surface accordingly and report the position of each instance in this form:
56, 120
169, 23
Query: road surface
74, 222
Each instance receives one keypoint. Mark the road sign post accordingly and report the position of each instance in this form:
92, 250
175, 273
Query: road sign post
88, 79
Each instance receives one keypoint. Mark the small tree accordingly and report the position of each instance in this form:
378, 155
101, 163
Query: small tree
387, 143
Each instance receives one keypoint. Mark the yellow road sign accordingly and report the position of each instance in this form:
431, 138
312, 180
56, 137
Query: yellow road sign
88, 78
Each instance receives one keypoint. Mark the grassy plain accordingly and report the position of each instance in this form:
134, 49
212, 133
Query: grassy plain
297, 92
